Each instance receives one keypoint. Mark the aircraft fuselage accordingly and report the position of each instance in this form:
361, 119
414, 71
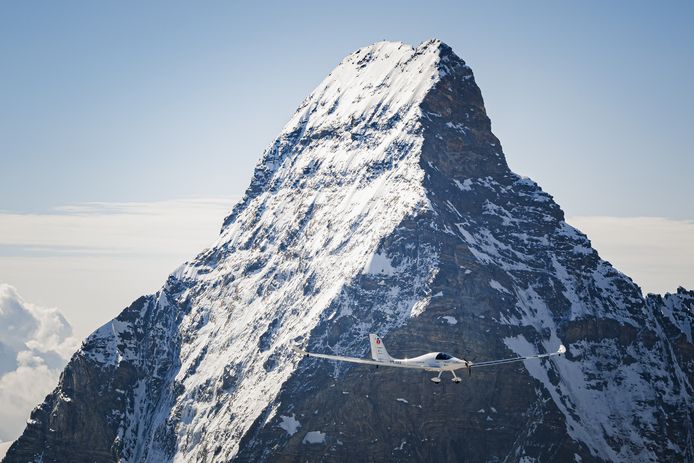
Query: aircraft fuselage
429, 362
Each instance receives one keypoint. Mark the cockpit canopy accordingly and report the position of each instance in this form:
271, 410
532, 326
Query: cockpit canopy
443, 356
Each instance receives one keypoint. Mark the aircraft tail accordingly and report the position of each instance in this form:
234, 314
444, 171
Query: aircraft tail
378, 350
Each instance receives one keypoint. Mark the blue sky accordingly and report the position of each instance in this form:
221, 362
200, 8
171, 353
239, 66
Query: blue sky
120, 101
152, 109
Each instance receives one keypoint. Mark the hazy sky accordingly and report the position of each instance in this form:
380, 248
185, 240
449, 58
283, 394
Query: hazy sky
141, 107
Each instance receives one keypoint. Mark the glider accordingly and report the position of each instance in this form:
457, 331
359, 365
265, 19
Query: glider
433, 361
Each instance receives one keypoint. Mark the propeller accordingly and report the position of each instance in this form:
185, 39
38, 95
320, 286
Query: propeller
469, 366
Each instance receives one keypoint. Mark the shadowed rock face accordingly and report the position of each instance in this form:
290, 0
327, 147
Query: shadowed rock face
471, 259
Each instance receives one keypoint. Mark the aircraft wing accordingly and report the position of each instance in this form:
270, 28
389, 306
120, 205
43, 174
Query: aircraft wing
340, 358
560, 351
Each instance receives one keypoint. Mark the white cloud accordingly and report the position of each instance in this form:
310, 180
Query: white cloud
94, 259
98, 227
658, 253
35, 345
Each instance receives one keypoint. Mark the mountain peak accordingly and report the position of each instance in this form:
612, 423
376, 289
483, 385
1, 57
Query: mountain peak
386, 87
387, 46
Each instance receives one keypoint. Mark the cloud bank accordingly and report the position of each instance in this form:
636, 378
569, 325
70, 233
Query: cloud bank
93, 259
657, 252
35, 345
160, 227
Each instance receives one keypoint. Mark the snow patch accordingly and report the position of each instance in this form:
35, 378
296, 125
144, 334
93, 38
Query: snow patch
379, 264
289, 424
498, 286
465, 186
314, 437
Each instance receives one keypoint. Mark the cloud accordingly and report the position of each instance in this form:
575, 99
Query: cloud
158, 227
35, 345
658, 253
93, 259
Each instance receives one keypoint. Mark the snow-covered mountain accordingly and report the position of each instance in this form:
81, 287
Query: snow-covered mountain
385, 205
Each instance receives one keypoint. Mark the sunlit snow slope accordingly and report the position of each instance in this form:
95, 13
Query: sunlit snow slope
385, 205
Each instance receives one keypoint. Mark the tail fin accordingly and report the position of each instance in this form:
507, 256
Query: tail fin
378, 350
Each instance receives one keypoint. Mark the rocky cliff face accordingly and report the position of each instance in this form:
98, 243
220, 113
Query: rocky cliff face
386, 205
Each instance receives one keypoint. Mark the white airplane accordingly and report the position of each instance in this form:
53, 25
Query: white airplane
433, 361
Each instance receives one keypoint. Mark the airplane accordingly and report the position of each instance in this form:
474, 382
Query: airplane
433, 361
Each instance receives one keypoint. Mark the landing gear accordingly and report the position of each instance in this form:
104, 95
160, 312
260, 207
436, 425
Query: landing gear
437, 379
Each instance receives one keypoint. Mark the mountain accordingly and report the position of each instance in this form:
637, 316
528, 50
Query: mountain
385, 205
